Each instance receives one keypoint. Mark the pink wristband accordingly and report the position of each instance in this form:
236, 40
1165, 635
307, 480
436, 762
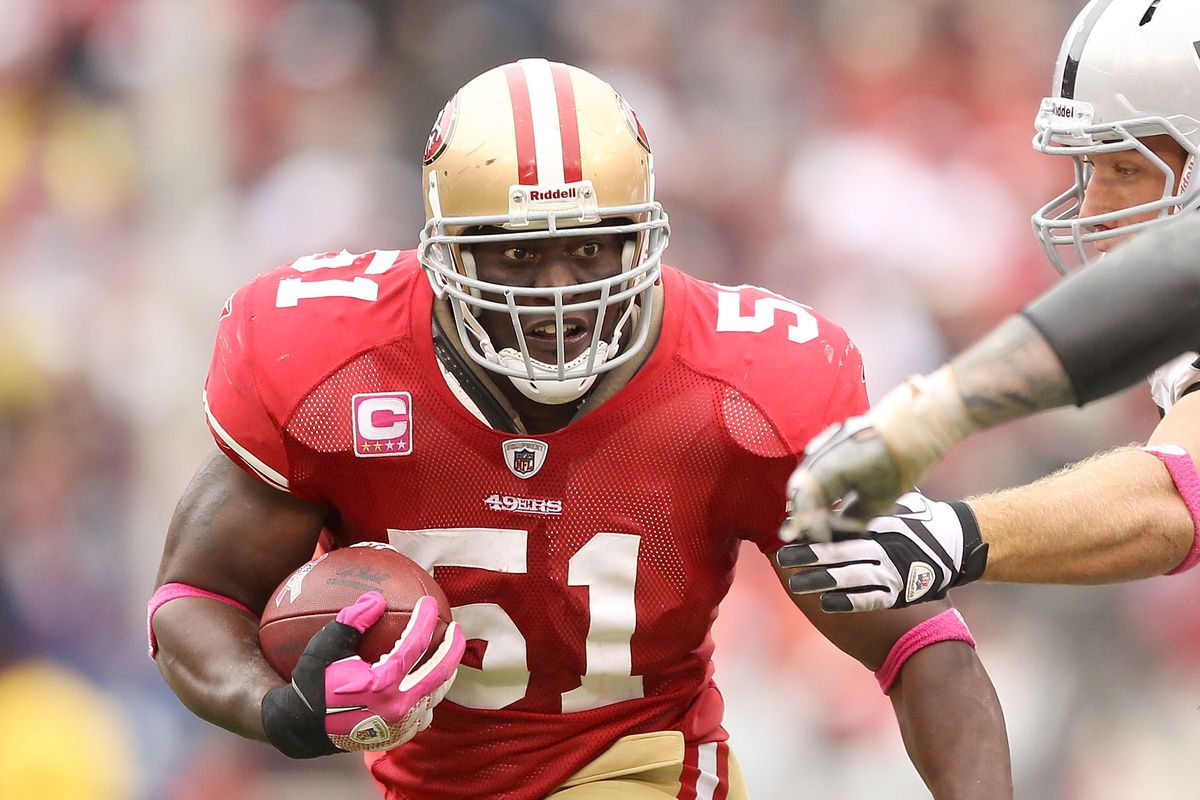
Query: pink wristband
173, 591
948, 626
1187, 482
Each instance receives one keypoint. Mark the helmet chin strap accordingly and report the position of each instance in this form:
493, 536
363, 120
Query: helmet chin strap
545, 387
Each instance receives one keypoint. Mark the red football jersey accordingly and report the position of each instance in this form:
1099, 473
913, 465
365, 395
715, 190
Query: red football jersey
585, 565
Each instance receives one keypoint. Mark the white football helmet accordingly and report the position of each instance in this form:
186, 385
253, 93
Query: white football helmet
539, 149
1127, 69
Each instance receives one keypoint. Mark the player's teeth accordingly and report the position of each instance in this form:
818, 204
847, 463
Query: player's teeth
550, 329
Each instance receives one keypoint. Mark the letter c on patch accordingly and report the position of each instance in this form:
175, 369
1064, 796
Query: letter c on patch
382, 418
382, 424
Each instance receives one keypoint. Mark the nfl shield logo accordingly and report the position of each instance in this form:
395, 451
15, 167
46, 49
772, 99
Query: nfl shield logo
920, 580
523, 461
525, 457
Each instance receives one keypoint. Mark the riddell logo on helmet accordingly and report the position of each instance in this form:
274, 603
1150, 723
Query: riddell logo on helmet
1064, 111
541, 195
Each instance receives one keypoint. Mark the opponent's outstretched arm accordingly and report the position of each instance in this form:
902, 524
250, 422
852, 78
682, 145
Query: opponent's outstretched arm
1122, 515
1126, 514
1096, 332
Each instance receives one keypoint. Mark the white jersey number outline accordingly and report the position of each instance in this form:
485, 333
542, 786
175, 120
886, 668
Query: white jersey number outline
729, 313
292, 290
606, 564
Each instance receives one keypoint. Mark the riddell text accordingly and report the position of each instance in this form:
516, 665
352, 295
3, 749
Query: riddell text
552, 194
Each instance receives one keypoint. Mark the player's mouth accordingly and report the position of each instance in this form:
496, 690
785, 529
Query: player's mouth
542, 335
546, 330
1107, 243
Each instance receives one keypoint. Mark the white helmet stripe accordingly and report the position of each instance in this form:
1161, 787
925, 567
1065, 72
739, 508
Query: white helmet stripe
543, 105
568, 122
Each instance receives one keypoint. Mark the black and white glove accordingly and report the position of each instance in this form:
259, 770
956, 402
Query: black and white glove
915, 555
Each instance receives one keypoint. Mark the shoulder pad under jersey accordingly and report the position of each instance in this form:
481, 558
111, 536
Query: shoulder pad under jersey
1174, 379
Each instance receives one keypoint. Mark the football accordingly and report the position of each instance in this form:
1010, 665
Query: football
314, 594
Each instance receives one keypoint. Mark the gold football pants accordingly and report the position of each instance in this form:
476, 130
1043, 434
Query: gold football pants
657, 766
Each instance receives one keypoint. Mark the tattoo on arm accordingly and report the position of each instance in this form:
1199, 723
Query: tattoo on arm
1011, 373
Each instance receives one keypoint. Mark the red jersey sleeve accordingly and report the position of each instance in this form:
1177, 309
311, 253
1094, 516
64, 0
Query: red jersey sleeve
847, 387
237, 416
798, 368
282, 334
789, 373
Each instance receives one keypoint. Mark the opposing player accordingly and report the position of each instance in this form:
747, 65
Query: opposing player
572, 437
1126, 109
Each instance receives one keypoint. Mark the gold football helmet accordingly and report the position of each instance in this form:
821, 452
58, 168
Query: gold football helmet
535, 150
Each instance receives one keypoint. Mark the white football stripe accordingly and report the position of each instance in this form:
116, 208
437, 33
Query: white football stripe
547, 134
706, 761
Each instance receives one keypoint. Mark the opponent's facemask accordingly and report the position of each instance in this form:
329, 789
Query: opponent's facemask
1127, 69
537, 150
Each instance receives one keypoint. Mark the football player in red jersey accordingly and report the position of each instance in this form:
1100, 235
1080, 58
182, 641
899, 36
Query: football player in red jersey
1119, 113
572, 437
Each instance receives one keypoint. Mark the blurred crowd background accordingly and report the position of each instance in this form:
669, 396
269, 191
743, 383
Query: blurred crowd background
868, 157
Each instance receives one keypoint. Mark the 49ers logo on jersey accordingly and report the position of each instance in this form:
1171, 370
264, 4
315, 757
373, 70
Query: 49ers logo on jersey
523, 505
382, 424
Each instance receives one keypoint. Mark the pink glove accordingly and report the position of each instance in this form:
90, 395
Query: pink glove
379, 706
337, 702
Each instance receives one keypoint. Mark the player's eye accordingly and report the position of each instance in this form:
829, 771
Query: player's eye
587, 250
518, 254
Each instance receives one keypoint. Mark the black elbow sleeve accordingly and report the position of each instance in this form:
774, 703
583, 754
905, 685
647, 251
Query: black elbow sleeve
1125, 315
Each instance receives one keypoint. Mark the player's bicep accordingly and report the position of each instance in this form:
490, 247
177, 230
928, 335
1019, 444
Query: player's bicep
866, 636
236, 536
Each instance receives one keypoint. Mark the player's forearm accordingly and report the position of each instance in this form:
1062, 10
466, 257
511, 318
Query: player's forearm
952, 724
209, 656
1052, 355
1012, 372
1114, 517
